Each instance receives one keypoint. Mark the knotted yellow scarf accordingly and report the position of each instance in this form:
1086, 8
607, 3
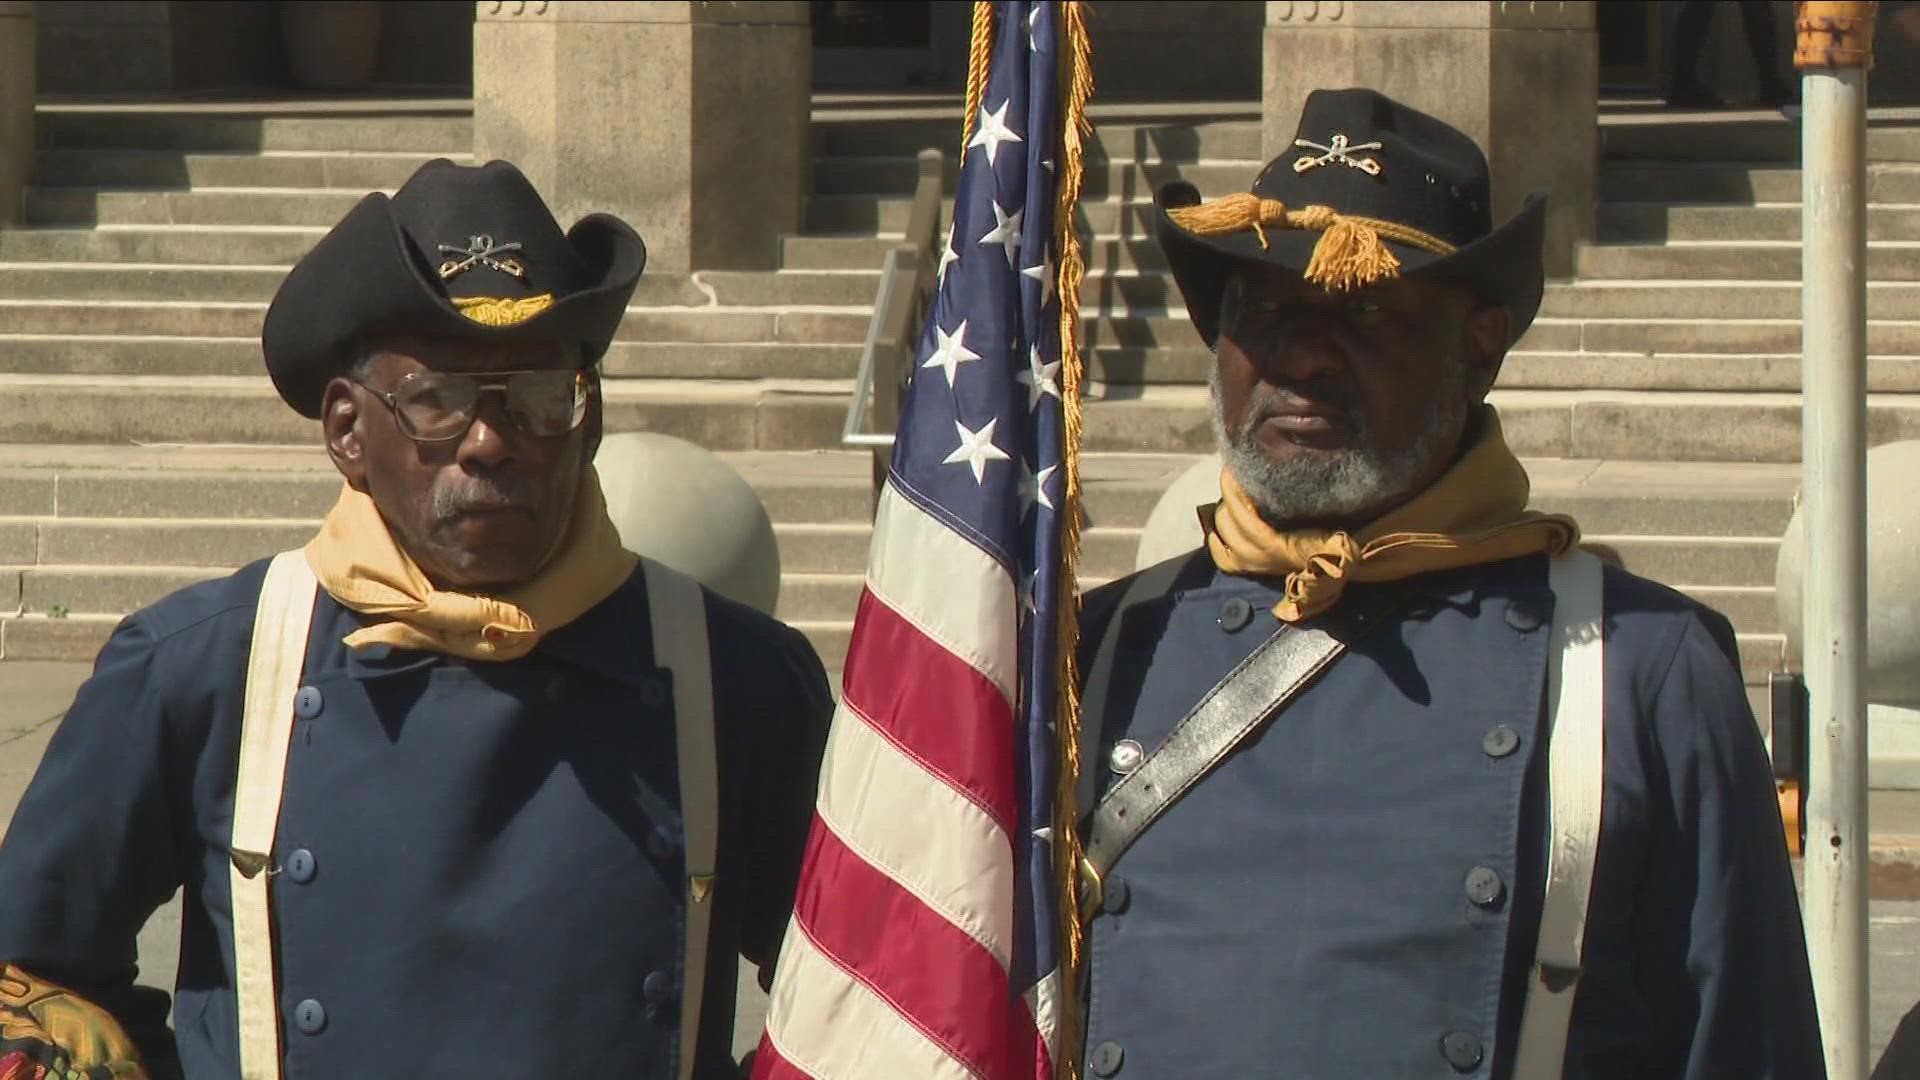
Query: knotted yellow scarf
359, 564
1475, 513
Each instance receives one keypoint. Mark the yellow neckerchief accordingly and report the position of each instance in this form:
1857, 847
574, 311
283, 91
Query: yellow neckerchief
1475, 513
359, 564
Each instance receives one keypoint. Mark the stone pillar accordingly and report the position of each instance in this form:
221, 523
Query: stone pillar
689, 120
17, 148
1521, 78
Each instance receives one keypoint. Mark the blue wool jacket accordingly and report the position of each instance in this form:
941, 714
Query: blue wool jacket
479, 864
1319, 908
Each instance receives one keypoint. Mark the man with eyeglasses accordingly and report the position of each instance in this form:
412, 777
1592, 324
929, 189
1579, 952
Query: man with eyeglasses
463, 787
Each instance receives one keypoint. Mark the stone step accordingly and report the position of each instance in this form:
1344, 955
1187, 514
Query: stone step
1101, 254
214, 299
1549, 370
110, 167
833, 487
1148, 141
1703, 299
1769, 138
683, 325
1682, 371
1120, 365
772, 414
191, 244
161, 283
1888, 262
421, 130
71, 206
74, 206
127, 355
1660, 222
1625, 425
297, 482
1747, 337
1742, 183
242, 320
870, 214
808, 414
1123, 178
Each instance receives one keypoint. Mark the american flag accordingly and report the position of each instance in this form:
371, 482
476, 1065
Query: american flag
924, 943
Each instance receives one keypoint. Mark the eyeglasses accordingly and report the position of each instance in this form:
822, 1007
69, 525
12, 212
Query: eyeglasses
439, 406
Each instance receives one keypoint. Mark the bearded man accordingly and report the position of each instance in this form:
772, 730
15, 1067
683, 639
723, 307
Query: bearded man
1389, 779
464, 788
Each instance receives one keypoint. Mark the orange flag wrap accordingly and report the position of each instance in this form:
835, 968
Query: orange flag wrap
361, 566
1475, 513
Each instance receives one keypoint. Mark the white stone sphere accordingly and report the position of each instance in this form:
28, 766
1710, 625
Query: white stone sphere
1893, 576
1174, 528
681, 505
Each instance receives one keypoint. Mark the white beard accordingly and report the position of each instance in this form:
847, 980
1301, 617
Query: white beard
1347, 485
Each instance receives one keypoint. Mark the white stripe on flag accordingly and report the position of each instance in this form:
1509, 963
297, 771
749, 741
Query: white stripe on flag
916, 829
831, 1025
950, 590
1043, 999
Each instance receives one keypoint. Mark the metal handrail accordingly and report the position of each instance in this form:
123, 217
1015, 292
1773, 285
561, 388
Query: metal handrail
906, 282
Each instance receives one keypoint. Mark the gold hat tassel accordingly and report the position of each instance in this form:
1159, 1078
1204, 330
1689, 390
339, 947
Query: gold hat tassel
1351, 252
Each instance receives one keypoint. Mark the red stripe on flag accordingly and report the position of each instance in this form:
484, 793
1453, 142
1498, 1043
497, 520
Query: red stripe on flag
934, 706
934, 974
769, 1065
1042, 1056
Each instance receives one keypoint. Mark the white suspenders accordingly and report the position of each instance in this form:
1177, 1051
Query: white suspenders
679, 619
273, 675
1576, 770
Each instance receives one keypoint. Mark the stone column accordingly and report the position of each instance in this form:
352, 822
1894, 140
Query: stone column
17, 149
689, 120
1521, 78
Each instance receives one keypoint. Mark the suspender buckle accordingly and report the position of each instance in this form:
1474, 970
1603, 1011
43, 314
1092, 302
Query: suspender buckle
1556, 979
1093, 889
250, 863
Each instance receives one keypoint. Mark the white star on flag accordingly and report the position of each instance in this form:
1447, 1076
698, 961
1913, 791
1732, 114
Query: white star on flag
1039, 379
1033, 27
1006, 233
976, 449
1026, 593
1033, 489
951, 351
948, 256
1044, 275
992, 130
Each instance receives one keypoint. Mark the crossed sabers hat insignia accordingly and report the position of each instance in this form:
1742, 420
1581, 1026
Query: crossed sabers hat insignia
1338, 149
480, 251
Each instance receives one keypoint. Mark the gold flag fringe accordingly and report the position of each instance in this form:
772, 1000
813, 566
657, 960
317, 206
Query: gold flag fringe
1076, 89
1349, 254
979, 61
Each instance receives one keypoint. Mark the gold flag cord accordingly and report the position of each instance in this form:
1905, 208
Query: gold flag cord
1076, 89
979, 60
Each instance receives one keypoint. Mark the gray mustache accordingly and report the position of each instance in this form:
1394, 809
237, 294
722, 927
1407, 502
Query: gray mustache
452, 500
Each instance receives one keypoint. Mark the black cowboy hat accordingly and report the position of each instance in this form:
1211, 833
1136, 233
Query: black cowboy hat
1371, 189
459, 251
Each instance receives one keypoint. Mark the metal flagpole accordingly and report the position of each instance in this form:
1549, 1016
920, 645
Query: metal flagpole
1833, 51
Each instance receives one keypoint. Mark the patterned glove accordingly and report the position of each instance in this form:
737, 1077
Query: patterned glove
48, 1032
